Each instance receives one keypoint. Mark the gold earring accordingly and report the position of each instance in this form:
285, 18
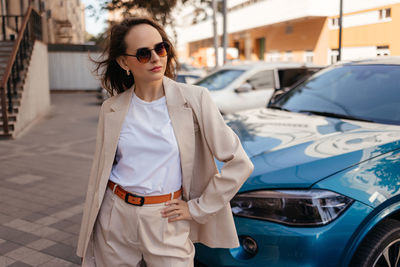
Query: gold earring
128, 72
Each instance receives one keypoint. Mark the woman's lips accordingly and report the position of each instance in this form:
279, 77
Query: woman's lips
156, 69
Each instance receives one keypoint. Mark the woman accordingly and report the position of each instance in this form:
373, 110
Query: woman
154, 188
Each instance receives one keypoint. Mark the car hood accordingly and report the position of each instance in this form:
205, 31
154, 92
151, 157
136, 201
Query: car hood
294, 150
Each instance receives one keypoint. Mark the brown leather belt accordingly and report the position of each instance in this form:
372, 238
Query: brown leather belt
140, 200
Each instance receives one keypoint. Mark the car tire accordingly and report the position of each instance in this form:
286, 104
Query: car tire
383, 240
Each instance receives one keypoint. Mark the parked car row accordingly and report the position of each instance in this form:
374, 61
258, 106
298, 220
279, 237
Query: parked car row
240, 87
325, 190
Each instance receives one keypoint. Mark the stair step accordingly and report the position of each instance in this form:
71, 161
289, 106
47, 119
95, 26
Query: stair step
6, 42
4, 50
10, 127
11, 117
4, 136
10, 122
14, 111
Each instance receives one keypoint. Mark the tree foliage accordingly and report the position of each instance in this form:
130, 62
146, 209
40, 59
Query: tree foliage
160, 10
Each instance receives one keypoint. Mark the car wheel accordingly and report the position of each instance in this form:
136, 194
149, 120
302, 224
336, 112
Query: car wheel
381, 247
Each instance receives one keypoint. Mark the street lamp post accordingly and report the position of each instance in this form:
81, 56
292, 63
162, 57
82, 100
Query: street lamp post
340, 30
225, 36
214, 6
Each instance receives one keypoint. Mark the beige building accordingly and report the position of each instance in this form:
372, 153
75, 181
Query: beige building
63, 21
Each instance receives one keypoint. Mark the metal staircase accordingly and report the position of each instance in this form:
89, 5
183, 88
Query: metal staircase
14, 63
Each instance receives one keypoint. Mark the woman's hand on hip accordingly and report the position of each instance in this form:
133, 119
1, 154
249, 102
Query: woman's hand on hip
176, 210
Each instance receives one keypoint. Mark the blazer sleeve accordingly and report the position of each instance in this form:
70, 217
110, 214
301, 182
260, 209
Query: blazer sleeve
226, 147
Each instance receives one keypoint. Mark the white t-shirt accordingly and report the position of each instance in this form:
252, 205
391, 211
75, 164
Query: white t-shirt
148, 160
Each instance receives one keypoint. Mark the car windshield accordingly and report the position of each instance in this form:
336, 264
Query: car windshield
219, 79
364, 92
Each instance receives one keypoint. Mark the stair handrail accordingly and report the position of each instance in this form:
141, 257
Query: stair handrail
10, 64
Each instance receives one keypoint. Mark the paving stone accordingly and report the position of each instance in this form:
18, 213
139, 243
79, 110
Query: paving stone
24, 226
59, 263
5, 261
74, 228
50, 211
37, 259
5, 218
25, 179
41, 244
34, 216
20, 253
45, 231
7, 247
47, 220
61, 225
8, 233
76, 219
19, 264
72, 241
25, 238
64, 252
59, 236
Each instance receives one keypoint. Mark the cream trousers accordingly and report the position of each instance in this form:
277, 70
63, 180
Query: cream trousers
125, 234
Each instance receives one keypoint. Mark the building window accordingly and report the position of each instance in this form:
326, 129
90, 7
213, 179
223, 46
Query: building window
273, 57
382, 51
384, 13
334, 22
308, 56
288, 56
289, 29
334, 56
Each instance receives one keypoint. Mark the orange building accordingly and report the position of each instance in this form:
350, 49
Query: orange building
303, 31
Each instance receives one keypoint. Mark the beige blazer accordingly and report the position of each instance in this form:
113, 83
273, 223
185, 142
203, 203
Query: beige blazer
201, 134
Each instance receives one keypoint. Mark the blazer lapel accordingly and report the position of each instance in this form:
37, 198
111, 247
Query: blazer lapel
113, 122
182, 122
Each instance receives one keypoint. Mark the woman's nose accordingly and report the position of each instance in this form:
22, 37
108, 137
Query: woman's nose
154, 56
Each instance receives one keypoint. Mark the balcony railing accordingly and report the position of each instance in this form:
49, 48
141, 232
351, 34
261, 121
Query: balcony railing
30, 30
12, 22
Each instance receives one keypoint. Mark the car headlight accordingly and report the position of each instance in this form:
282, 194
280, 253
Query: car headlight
292, 207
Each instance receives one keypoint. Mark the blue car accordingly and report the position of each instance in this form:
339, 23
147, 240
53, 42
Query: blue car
325, 190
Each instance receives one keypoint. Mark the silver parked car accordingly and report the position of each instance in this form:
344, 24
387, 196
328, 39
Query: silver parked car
247, 86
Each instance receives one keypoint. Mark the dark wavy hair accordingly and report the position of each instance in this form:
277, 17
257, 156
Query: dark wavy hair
113, 77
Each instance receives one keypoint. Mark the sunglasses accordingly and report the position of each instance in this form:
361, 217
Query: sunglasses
143, 55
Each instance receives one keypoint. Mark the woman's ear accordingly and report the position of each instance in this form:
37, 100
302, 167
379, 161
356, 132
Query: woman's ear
122, 62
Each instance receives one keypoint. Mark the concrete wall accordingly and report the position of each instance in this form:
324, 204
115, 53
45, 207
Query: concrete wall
35, 101
72, 70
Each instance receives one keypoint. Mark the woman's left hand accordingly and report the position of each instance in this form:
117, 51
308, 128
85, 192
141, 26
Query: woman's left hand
176, 210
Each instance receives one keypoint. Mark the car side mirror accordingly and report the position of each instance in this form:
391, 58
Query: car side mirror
246, 87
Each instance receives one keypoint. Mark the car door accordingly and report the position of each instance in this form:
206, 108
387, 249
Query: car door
262, 86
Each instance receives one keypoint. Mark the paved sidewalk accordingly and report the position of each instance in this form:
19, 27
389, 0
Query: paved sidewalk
43, 178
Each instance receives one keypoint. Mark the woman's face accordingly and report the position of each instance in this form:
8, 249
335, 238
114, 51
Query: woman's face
144, 36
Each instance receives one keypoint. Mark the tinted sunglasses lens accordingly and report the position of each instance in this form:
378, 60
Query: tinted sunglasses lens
143, 55
162, 49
